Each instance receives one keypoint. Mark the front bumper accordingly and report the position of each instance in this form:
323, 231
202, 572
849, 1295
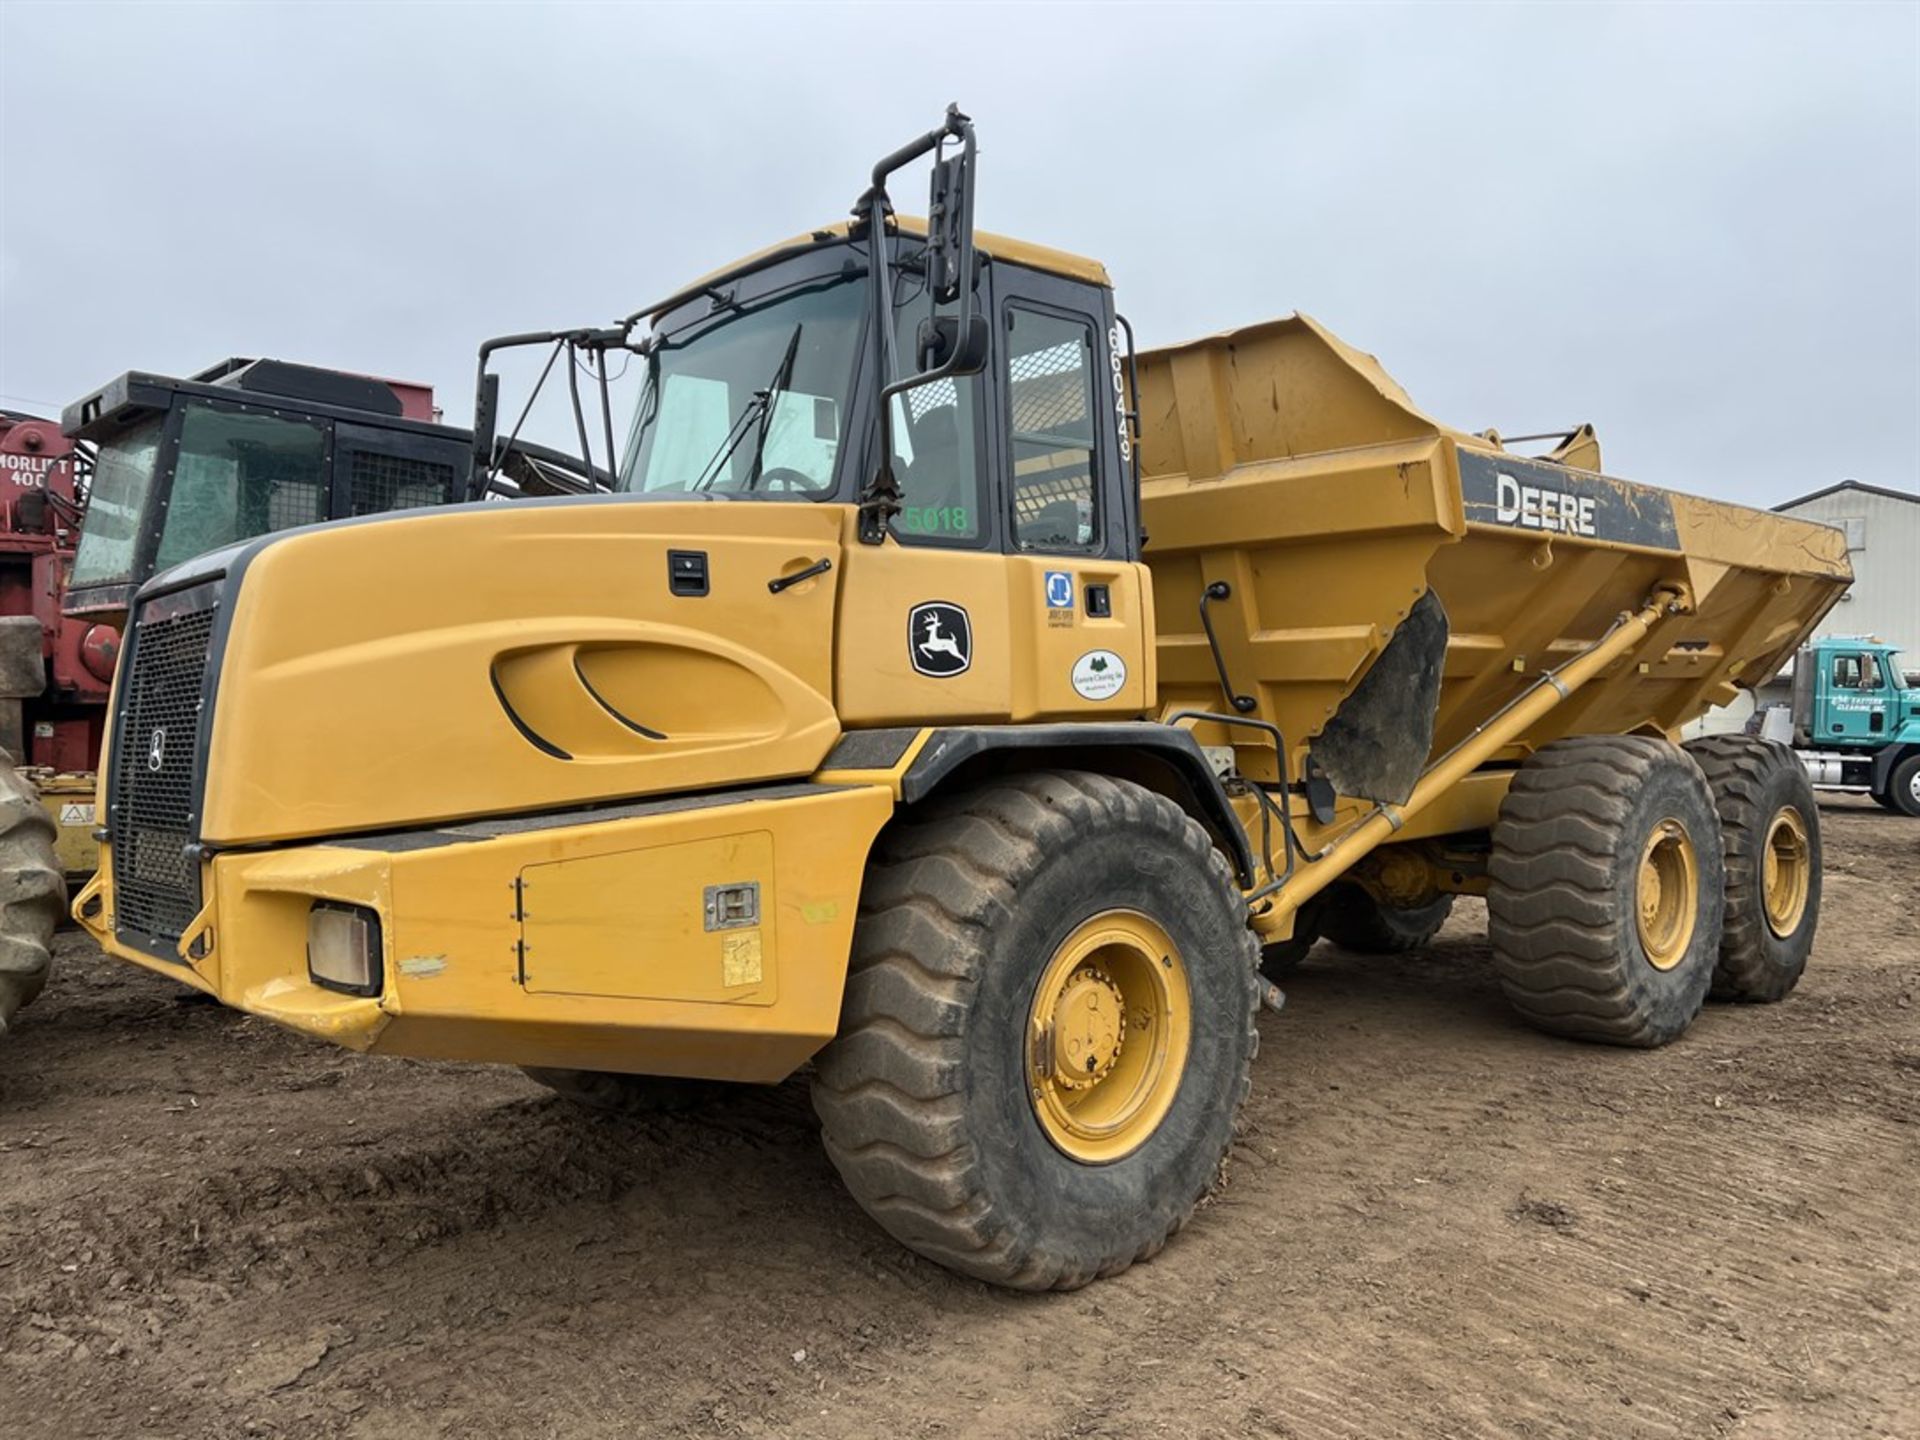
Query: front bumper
584, 940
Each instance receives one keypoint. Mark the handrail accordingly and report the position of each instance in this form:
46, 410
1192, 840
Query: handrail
1469, 755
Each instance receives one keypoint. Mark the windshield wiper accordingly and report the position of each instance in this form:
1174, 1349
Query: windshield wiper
730, 442
782, 379
759, 405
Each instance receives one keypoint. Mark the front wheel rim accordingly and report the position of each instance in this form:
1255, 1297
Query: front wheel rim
1786, 871
1107, 1036
1668, 899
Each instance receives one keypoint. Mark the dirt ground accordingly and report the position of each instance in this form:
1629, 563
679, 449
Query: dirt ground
1435, 1223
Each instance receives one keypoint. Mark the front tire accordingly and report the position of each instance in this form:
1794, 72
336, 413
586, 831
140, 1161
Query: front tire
33, 893
1903, 787
1607, 892
1770, 823
1047, 1031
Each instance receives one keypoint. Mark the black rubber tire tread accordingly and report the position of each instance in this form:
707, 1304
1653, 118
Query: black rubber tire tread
922, 1097
1752, 780
620, 1094
1283, 957
1356, 921
1884, 799
1561, 903
1900, 798
33, 892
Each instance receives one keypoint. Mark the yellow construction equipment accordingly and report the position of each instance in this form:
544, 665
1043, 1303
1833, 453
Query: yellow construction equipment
957, 701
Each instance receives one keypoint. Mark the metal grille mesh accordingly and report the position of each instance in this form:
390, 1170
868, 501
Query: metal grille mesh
1031, 497
398, 482
295, 502
156, 738
1050, 391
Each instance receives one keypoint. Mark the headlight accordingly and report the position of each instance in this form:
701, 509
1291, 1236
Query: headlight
343, 948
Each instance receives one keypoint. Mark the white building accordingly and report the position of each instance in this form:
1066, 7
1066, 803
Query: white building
1883, 542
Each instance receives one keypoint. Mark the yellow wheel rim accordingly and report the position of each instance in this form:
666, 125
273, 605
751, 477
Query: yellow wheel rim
1669, 898
1107, 1036
1786, 871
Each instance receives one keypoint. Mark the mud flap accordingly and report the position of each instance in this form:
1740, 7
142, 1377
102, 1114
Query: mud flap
1378, 741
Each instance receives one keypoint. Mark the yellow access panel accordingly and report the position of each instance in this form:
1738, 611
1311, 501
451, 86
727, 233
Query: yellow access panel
668, 922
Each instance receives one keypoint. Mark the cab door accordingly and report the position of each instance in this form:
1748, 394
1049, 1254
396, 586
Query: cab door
1858, 698
1079, 598
925, 632
1008, 589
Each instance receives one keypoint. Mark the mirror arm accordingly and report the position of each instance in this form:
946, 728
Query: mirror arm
880, 501
486, 396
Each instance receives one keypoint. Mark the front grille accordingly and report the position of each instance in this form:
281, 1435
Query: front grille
398, 482
156, 742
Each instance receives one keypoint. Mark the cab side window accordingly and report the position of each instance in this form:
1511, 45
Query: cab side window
1050, 419
936, 450
1856, 672
934, 460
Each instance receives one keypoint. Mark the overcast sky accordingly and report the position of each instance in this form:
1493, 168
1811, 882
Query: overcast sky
1697, 227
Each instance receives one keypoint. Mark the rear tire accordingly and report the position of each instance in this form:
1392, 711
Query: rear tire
1359, 922
619, 1094
1903, 787
1608, 885
934, 1103
1770, 824
33, 893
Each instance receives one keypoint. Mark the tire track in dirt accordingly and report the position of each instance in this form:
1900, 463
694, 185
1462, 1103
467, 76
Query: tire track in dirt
1435, 1223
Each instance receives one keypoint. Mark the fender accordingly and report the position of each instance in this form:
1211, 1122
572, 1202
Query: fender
1884, 759
1163, 758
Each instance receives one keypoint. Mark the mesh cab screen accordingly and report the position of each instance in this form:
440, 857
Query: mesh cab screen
398, 482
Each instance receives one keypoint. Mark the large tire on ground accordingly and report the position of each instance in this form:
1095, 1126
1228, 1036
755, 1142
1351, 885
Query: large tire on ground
1358, 922
619, 1094
1770, 825
1047, 1031
33, 893
1607, 890
1903, 787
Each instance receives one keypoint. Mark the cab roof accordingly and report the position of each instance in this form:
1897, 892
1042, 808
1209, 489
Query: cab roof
997, 247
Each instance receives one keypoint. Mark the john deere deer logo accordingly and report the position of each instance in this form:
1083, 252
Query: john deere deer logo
939, 639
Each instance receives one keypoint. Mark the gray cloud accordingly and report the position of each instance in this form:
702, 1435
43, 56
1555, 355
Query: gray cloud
1697, 227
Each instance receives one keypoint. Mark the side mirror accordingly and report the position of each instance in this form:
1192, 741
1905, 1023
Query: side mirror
940, 344
949, 226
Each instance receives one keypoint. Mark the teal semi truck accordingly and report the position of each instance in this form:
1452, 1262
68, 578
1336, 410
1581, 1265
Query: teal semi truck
1856, 721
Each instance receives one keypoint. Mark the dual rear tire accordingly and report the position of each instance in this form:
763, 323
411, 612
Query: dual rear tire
1631, 878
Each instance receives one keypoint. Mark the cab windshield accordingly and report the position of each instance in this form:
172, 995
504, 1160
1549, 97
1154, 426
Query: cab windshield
236, 474
122, 479
753, 400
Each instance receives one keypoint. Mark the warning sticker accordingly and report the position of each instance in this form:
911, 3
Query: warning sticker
740, 958
74, 813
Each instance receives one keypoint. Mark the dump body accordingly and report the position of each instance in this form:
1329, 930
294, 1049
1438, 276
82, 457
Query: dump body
1291, 468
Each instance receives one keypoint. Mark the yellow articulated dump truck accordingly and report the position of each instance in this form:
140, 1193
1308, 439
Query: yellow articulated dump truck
958, 702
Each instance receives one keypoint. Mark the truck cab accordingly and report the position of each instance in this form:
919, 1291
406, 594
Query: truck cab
243, 448
1857, 721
